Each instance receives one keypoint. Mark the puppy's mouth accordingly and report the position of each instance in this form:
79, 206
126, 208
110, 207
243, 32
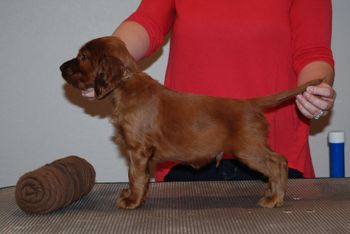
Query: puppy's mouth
89, 93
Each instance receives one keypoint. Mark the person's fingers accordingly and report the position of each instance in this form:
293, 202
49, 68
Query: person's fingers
316, 103
308, 109
299, 102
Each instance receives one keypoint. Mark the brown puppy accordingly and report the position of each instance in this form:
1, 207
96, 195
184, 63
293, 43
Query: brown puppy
157, 124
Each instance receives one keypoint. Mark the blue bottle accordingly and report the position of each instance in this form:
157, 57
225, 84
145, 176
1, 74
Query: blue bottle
336, 140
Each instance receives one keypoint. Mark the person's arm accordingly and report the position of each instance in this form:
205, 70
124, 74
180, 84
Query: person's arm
311, 24
135, 38
143, 31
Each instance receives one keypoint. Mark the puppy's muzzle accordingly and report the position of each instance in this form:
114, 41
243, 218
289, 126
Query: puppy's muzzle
72, 75
67, 68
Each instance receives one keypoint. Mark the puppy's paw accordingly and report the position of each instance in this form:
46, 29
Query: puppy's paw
127, 203
268, 192
270, 202
125, 193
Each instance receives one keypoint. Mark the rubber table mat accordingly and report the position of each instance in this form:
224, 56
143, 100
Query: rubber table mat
311, 206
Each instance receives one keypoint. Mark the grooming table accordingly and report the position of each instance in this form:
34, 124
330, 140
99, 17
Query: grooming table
311, 206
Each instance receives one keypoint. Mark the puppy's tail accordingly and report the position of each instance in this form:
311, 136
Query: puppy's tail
279, 98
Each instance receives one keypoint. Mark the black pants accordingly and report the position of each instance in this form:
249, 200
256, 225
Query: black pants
229, 169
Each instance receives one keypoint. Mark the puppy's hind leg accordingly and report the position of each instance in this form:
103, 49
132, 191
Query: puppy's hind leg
275, 167
278, 178
139, 175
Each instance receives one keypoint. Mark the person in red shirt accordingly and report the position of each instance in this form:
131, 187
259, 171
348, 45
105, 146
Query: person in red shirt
242, 49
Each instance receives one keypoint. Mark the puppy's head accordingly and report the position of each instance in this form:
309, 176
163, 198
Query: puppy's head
101, 64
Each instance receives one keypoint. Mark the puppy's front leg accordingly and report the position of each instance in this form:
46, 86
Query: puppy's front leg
139, 175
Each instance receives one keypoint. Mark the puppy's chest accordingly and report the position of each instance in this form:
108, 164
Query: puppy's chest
133, 123
124, 120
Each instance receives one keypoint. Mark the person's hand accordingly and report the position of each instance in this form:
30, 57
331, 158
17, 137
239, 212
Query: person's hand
316, 101
89, 94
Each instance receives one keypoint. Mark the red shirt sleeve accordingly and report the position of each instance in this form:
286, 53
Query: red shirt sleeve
311, 22
157, 17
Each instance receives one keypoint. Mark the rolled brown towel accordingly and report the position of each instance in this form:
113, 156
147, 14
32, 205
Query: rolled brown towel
54, 185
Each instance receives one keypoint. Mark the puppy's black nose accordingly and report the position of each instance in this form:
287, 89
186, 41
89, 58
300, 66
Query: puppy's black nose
63, 67
69, 65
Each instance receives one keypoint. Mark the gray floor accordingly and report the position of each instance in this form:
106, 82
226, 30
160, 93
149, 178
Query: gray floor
311, 206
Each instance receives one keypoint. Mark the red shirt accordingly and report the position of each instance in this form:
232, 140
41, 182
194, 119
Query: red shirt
241, 49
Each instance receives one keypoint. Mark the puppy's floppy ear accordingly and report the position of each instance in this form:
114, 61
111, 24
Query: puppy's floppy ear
109, 72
